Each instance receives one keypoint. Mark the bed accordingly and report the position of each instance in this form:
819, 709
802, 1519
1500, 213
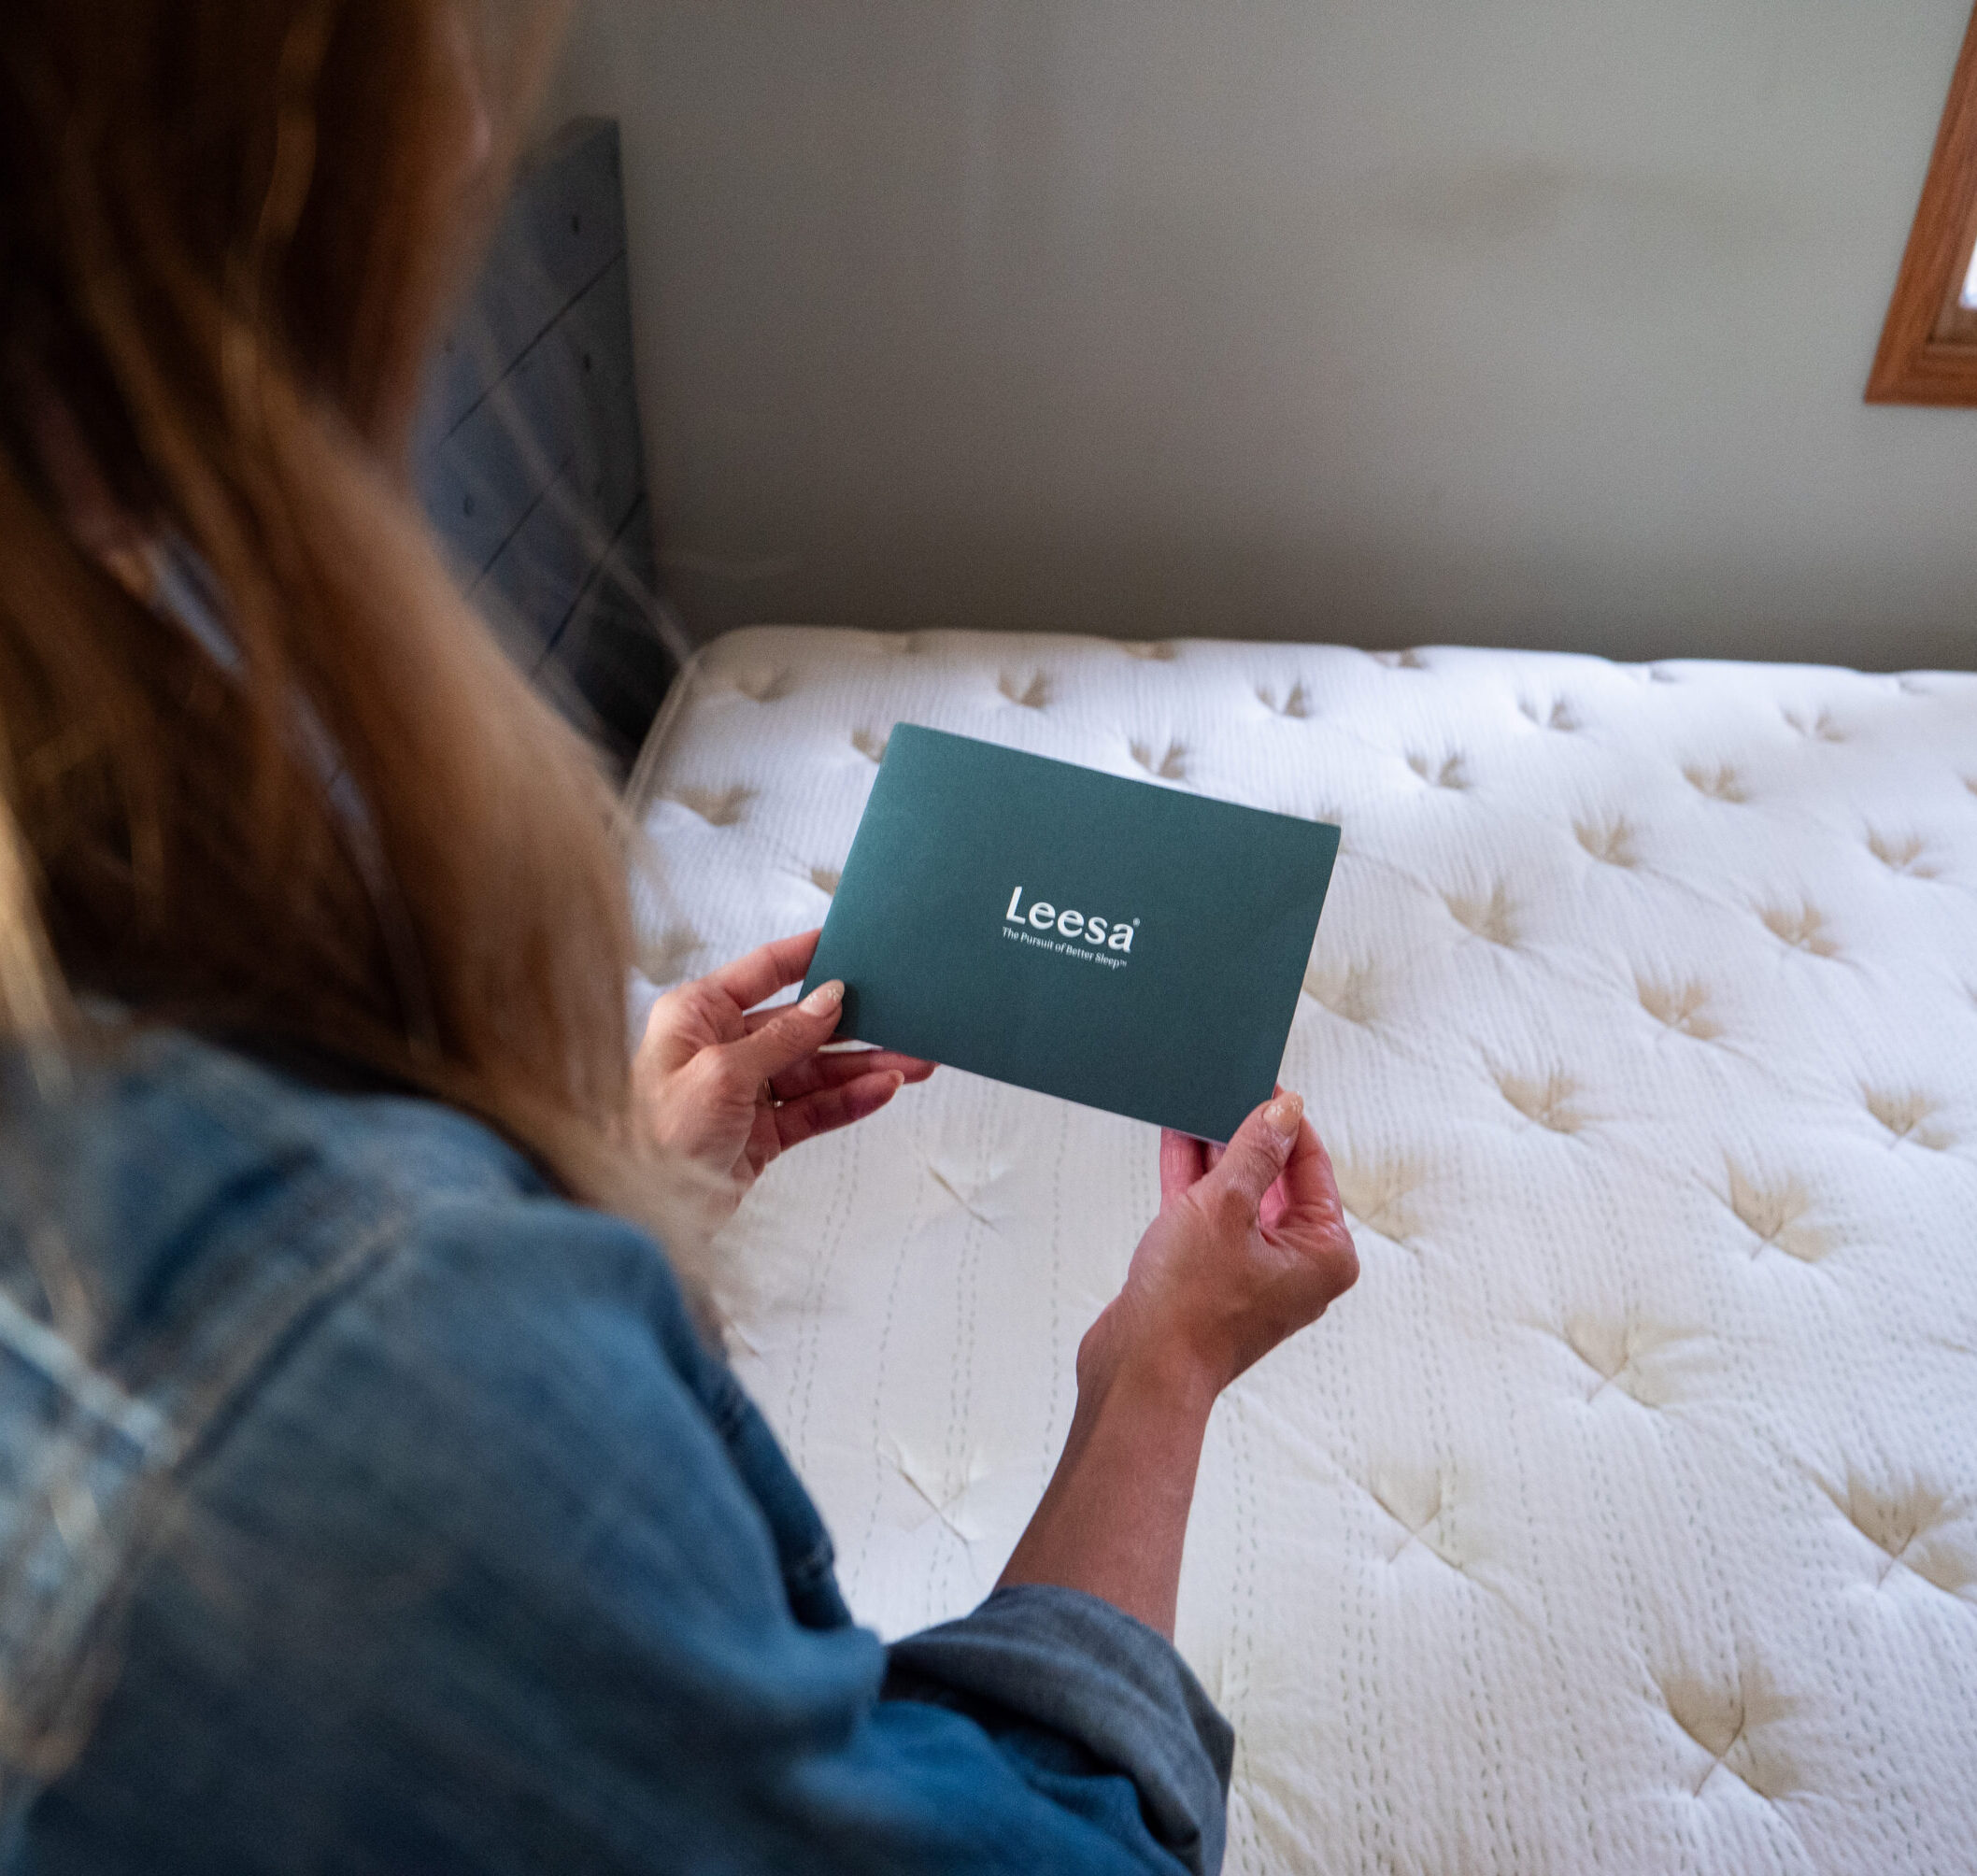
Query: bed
1624, 1518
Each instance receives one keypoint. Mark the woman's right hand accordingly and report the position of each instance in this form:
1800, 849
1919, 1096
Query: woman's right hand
1249, 1247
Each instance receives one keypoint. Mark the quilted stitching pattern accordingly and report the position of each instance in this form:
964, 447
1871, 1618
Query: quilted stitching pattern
1625, 1518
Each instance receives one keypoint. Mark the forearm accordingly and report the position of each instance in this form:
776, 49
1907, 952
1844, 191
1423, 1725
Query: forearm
1250, 1246
1114, 1518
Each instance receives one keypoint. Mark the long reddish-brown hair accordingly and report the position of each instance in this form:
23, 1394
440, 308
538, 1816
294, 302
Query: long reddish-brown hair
228, 229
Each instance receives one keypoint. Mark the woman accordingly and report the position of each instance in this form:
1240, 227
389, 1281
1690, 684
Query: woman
369, 1500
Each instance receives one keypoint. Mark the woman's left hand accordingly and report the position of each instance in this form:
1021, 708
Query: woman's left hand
728, 1086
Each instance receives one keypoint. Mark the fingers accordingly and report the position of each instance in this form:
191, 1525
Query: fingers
1260, 1149
1183, 1161
1310, 1190
802, 1119
796, 1032
765, 969
836, 1069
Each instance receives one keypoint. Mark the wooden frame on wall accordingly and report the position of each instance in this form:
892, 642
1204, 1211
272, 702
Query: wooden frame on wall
1928, 347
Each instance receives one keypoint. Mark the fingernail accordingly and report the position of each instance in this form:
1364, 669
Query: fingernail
1283, 1115
825, 997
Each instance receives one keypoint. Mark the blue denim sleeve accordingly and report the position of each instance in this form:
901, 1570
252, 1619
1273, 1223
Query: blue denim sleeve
1045, 1666
470, 1580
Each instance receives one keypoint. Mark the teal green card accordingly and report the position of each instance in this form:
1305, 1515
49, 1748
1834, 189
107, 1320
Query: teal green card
1132, 947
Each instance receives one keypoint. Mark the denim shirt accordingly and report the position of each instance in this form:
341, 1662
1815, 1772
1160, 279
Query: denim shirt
366, 1508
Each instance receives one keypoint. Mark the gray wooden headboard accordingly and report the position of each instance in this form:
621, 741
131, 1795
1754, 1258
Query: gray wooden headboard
529, 457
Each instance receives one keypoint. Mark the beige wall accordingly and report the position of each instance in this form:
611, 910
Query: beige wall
1519, 321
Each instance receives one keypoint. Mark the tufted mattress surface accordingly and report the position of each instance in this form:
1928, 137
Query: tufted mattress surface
1625, 1516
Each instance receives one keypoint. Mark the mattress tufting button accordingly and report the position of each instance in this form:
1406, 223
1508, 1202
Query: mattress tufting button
1775, 1215
1295, 703
869, 744
1421, 1504
1608, 1351
1722, 1722
717, 807
764, 687
1684, 1008
1375, 1192
825, 879
943, 1489
1803, 929
1907, 1118
1721, 783
954, 1192
1913, 1530
1156, 650
1171, 767
1611, 842
1547, 1103
1031, 696
1820, 728
1409, 660
1561, 716
1452, 772
1903, 854
1345, 990
663, 956
1493, 918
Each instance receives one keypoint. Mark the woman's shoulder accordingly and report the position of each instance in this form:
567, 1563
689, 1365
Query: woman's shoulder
172, 1203
385, 1444
160, 1110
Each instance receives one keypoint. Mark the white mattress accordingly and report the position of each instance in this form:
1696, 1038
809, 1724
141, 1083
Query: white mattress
1625, 1516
